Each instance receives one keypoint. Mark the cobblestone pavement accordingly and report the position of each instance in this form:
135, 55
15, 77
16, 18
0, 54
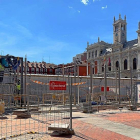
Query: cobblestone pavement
106, 125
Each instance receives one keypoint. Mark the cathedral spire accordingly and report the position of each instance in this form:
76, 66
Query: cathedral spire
87, 43
119, 16
125, 17
98, 39
114, 19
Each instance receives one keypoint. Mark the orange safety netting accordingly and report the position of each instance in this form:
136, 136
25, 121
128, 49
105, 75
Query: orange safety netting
38, 82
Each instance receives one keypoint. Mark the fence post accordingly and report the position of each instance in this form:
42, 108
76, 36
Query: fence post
119, 85
70, 103
78, 84
21, 81
75, 82
21, 75
90, 90
131, 84
25, 70
105, 81
116, 84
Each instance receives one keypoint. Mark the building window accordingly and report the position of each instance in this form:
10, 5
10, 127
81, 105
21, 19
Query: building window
37, 69
72, 69
109, 66
32, 69
89, 55
116, 29
52, 70
117, 64
45, 70
103, 68
41, 70
134, 64
101, 52
125, 64
96, 53
92, 54
122, 27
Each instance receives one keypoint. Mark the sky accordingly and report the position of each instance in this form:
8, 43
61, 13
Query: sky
55, 31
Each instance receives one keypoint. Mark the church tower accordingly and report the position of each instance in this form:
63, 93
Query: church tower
120, 30
138, 31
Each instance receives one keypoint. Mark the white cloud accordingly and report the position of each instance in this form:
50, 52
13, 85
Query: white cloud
73, 10
24, 31
85, 1
104, 7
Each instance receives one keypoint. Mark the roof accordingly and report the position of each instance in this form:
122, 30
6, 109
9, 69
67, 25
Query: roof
29, 64
119, 20
39, 65
131, 43
102, 43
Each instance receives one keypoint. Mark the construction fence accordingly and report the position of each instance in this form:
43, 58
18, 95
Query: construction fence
35, 110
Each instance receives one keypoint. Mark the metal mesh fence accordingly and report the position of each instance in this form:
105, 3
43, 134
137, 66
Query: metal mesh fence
119, 91
38, 109
35, 112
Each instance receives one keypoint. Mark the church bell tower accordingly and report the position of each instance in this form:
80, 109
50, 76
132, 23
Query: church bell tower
120, 30
138, 31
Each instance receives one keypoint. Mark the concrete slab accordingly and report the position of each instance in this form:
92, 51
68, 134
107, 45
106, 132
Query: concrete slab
22, 113
59, 127
19, 111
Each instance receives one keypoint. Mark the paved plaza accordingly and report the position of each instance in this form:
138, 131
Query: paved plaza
105, 125
102, 125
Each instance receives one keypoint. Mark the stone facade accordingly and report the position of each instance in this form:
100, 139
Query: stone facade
125, 54
80, 57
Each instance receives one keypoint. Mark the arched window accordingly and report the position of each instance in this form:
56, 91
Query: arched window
92, 54
134, 64
122, 27
109, 66
101, 52
116, 28
117, 64
96, 53
89, 55
27, 69
32, 69
125, 64
37, 70
103, 68
93, 71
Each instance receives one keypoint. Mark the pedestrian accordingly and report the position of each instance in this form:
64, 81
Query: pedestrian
18, 89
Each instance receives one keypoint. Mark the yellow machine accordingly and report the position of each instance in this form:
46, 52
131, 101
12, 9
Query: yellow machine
2, 104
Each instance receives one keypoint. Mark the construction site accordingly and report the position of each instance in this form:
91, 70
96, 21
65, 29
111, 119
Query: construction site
32, 105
